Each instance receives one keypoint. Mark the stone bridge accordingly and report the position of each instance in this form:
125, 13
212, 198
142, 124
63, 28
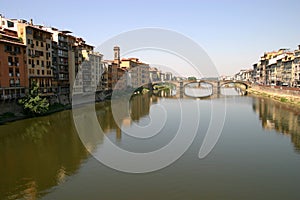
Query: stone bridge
215, 85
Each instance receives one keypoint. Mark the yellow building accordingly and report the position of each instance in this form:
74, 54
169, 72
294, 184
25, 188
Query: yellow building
39, 49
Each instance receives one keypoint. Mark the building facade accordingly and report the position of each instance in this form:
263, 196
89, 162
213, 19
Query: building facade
39, 55
13, 71
279, 68
139, 72
61, 53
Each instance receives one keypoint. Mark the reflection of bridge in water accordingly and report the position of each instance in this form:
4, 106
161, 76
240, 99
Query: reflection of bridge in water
214, 85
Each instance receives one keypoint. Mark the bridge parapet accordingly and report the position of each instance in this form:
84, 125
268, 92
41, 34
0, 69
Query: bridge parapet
216, 85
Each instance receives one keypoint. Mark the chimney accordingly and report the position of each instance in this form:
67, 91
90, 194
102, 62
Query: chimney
31, 22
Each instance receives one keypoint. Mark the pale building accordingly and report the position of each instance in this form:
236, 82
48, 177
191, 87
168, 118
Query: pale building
288, 69
169, 76
138, 71
154, 74
270, 69
296, 81
10, 24
82, 73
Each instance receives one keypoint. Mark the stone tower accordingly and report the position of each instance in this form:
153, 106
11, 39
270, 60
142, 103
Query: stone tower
117, 55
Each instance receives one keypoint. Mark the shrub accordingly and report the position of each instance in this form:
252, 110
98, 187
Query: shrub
283, 99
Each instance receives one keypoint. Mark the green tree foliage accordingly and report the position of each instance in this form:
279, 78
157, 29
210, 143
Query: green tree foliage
192, 78
33, 104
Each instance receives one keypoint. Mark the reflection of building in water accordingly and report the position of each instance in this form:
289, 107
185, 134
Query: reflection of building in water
282, 118
139, 106
37, 154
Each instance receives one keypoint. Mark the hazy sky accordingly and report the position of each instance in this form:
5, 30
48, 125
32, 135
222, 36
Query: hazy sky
233, 33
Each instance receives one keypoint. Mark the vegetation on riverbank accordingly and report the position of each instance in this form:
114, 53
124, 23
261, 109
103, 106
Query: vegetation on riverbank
57, 107
283, 98
33, 104
11, 117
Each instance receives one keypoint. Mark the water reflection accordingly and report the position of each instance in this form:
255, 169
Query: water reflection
232, 91
37, 154
284, 119
41, 153
128, 112
198, 90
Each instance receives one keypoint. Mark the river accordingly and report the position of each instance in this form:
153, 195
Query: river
256, 157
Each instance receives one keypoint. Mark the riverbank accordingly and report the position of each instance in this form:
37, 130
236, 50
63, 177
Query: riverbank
16, 114
11, 117
281, 94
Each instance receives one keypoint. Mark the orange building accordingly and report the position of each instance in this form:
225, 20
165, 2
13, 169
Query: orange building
13, 70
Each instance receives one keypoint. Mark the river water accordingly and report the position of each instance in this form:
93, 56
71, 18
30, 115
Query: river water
256, 157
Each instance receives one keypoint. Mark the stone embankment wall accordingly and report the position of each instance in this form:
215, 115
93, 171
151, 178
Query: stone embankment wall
10, 106
278, 89
282, 94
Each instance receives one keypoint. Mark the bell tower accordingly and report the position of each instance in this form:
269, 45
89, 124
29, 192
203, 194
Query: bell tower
117, 55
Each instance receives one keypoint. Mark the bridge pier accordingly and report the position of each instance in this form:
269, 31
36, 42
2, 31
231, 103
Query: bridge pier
219, 89
181, 89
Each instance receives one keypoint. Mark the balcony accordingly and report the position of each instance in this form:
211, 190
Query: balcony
63, 55
38, 37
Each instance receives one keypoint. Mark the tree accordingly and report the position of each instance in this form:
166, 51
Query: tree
33, 104
192, 78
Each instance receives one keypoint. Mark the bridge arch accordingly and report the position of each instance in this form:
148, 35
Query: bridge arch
198, 82
210, 90
246, 84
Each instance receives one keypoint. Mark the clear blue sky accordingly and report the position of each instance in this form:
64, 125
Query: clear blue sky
233, 33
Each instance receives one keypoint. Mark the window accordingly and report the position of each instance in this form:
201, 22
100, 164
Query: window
38, 72
7, 48
39, 53
11, 72
29, 61
10, 24
17, 50
28, 41
17, 61
37, 43
29, 31
37, 62
48, 63
10, 61
48, 55
12, 82
17, 72
43, 72
42, 44
17, 82
42, 63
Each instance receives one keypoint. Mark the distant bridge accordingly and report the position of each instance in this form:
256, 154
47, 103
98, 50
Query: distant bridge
215, 85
